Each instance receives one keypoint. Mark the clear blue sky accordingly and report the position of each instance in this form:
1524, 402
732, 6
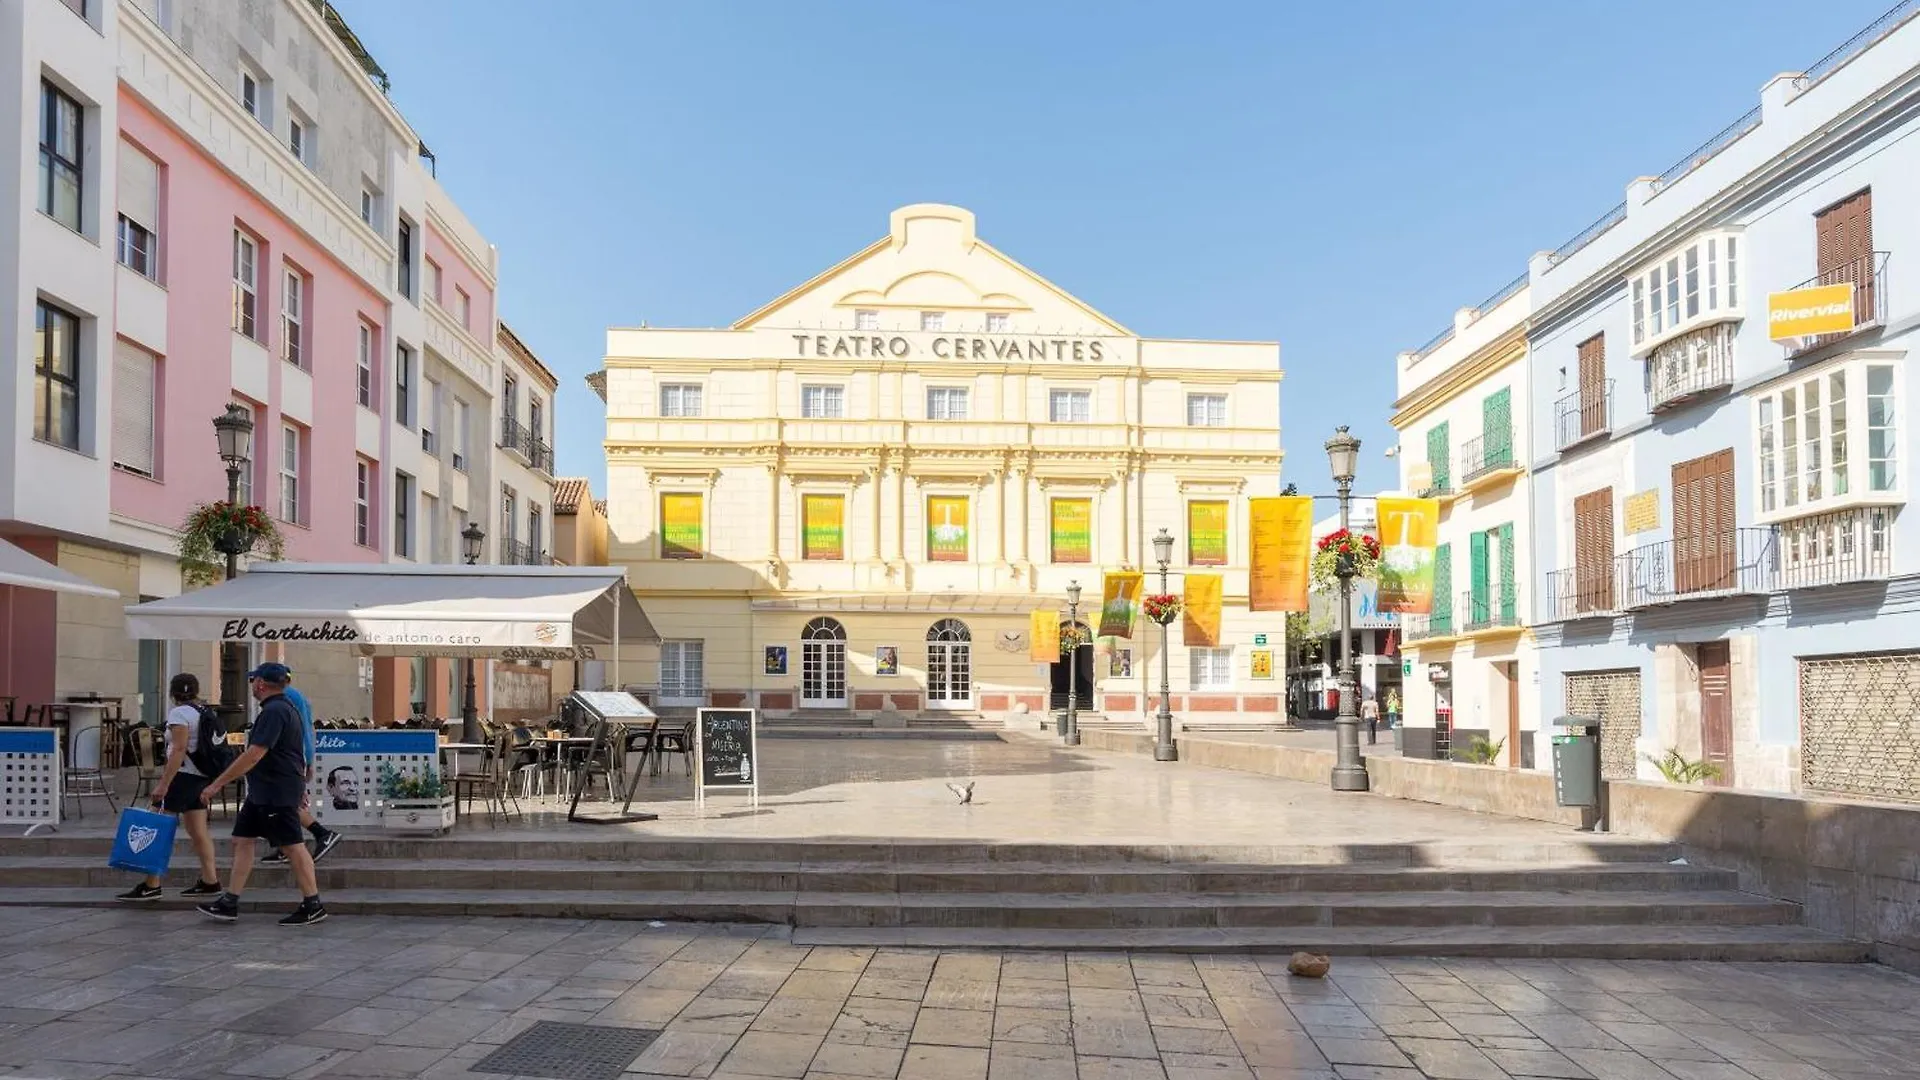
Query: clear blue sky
1335, 177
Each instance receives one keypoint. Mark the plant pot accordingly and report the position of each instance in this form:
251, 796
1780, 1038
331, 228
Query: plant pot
233, 541
418, 817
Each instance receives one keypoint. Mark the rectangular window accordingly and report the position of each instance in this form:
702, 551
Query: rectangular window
949, 521
139, 204
680, 399
1207, 533
1070, 530
429, 416
1769, 478
682, 525
1210, 669
536, 530
462, 424
290, 458
292, 309
509, 517
1206, 410
536, 418
1070, 406
433, 282
60, 156
363, 368
436, 529
683, 670
403, 515
246, 285
823, 527
403, 255
297, 139
823, 402
252, 98
403, 385
509, 398
1883, 472
56, 376
463, 308
997, 322
363, 503
933, 321
136, 378
946, 403
866, 320
1693, 282
1440, 457
1809, 433
134, 247
367, 200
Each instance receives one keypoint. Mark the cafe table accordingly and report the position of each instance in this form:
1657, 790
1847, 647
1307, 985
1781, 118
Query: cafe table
451, 754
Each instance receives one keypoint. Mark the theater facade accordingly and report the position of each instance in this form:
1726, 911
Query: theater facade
852, 499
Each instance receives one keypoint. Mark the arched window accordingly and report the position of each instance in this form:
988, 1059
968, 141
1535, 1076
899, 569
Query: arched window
949, 630
824, 629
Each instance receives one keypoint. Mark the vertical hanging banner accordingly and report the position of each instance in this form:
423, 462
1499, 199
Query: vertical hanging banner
823, 526
1280, 547
1207, 533
947, 528
682, 524
1409, 531
1071, 530
1043, 637
1119, 599
1201, 610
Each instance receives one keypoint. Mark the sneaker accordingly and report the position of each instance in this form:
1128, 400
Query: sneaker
308, 913
202, 888
139, 894
327, 842
226, 908
276, 857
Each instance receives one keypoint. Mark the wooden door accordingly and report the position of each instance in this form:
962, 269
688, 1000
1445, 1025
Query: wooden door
1716, 709
1593, 385
1593, 551
1511, 670
1704, 552
1843, 235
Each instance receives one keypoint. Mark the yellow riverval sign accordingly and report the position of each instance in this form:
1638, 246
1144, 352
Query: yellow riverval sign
1822, 309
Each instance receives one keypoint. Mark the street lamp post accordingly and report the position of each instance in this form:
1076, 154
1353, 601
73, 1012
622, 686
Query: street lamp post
471, 538
1073, 664
1349, 773
233, 430
1163, 748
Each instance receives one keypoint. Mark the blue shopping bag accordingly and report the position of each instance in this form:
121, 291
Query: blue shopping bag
143, 842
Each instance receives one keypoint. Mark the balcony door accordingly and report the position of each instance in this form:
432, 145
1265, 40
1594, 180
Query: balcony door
1703, 530
1593, 551
949, 665
823, 665
1593, 385
1843, 237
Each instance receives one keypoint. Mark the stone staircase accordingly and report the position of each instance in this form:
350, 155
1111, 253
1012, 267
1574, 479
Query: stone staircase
847, 724
1564, 899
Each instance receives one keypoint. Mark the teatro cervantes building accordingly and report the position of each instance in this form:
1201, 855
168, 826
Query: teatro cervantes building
852, 499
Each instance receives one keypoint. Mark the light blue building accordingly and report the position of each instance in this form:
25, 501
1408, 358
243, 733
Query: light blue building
1719, 492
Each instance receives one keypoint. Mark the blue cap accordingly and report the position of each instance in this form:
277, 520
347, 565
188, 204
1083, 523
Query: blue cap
273, 673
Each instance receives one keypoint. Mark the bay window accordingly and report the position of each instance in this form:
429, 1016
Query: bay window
1694, 286
1813, 427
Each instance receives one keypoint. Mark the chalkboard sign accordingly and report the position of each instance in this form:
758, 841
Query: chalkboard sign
726, 750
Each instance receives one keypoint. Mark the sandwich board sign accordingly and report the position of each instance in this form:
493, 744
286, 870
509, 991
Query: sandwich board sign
726, 753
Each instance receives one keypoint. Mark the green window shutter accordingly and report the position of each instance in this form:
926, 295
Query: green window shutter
1443, 587
1507, 599
1497, 428
1437, 457
1477, 567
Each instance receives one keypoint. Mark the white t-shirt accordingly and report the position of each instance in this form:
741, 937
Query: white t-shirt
185, 716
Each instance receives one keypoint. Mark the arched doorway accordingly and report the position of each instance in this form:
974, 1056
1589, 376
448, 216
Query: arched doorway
949, 665
823, 665
1082, 669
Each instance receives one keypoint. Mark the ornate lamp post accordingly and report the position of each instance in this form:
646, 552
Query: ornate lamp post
471, 539
233, 431
1349, 774
1163, 748
1073, 665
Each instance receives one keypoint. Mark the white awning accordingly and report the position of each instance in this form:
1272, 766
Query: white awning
22, 568
504, 612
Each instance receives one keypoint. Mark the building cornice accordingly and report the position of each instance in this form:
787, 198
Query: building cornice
1508, 349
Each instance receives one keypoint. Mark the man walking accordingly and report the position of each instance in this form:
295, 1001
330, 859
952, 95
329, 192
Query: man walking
276, 770
324, 838
1370, 712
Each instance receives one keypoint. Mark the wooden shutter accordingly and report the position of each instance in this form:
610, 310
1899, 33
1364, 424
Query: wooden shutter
1593, 385
1443, 587
1496, 429
1478, 582
1843, 235
134, 375
1704, 551
1593, 551
1438, 456
1508, 601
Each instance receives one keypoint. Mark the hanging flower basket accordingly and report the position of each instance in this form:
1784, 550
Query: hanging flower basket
212, 528
1072, 637
1162, 608
1360, 551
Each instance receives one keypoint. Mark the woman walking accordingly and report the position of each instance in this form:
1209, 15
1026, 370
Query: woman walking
178, 792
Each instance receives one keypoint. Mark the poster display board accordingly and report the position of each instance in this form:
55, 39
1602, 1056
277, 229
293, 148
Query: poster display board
726, 751
345, 788
30, 778
616, 714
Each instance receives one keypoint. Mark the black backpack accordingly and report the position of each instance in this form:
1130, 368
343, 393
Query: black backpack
209, 751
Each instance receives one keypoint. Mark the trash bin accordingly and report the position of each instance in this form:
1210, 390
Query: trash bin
1576, 762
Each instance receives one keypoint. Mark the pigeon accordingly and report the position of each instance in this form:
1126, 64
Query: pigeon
964, 792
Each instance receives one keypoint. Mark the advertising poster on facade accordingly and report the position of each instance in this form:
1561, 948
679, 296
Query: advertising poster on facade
947, 528
1201, 610
823, 526
1207, 533
1262, 664
1043, 637
1119, 600
1072, 530
1280, 547
345, 787
682, 524
1409, 532
1820, 309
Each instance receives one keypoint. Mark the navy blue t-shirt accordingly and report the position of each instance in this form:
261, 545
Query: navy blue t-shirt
281, 777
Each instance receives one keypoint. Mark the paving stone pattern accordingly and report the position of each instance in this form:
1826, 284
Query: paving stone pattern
95, 994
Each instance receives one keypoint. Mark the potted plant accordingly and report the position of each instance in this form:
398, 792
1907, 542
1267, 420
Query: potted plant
1162, 608
414, 804
213, 529
1357, 553
1072, 637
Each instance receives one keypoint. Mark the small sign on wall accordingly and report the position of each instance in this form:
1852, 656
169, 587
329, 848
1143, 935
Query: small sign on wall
1642, 512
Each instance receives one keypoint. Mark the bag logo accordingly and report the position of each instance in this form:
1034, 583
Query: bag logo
140, 837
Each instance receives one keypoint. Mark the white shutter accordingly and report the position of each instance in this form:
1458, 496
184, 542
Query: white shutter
134, 373
139, 187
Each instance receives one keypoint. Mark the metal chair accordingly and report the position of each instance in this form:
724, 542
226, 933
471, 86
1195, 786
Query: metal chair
678, 741
83, 782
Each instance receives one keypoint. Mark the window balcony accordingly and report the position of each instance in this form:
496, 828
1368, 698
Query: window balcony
1868, 276
1587, 413
517, 553
1687, 367
1427, 627
1837, 548
1490, 609
1584, 592
519, 439
1737, 562
1486, 460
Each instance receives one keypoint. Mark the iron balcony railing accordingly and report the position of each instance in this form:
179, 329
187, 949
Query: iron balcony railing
1589, 234
1868, 276
520, 439
1584, 592
1837, 548
1586, 413
1895, 17
1421, 627
1489, 453
520, 553
1438, 488
1689, 366
1488, 609
1728, 563
1726, 137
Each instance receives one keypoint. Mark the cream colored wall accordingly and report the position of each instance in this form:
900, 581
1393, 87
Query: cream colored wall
92, 651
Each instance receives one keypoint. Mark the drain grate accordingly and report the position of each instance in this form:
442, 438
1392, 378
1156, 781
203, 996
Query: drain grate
568, 1051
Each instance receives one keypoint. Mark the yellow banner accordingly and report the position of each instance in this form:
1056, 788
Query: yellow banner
1201, 611
1280, 546
1072, 530
947, 528
1206, 534
1409, 531
1119, 599
1043, 637
682, 522
1823, 309
823, 526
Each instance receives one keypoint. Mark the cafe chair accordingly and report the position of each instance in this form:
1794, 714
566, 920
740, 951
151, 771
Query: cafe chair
80, 783
149, 761
676, 741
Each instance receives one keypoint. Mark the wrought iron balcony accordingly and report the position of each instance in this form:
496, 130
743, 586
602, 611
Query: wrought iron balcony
520, 439
1423, 627
1730, 563
1584, 592
1837, 548
1587, 413
517, 553
1868, 276
1487, 610
1485, 455
1690, 365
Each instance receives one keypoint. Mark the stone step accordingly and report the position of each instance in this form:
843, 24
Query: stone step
924, 734
1637, 942
1036, 911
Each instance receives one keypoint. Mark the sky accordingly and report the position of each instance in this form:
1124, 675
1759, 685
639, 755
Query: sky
1338, 178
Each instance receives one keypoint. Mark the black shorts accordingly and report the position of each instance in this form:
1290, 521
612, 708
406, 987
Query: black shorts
279, 826
183, 795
